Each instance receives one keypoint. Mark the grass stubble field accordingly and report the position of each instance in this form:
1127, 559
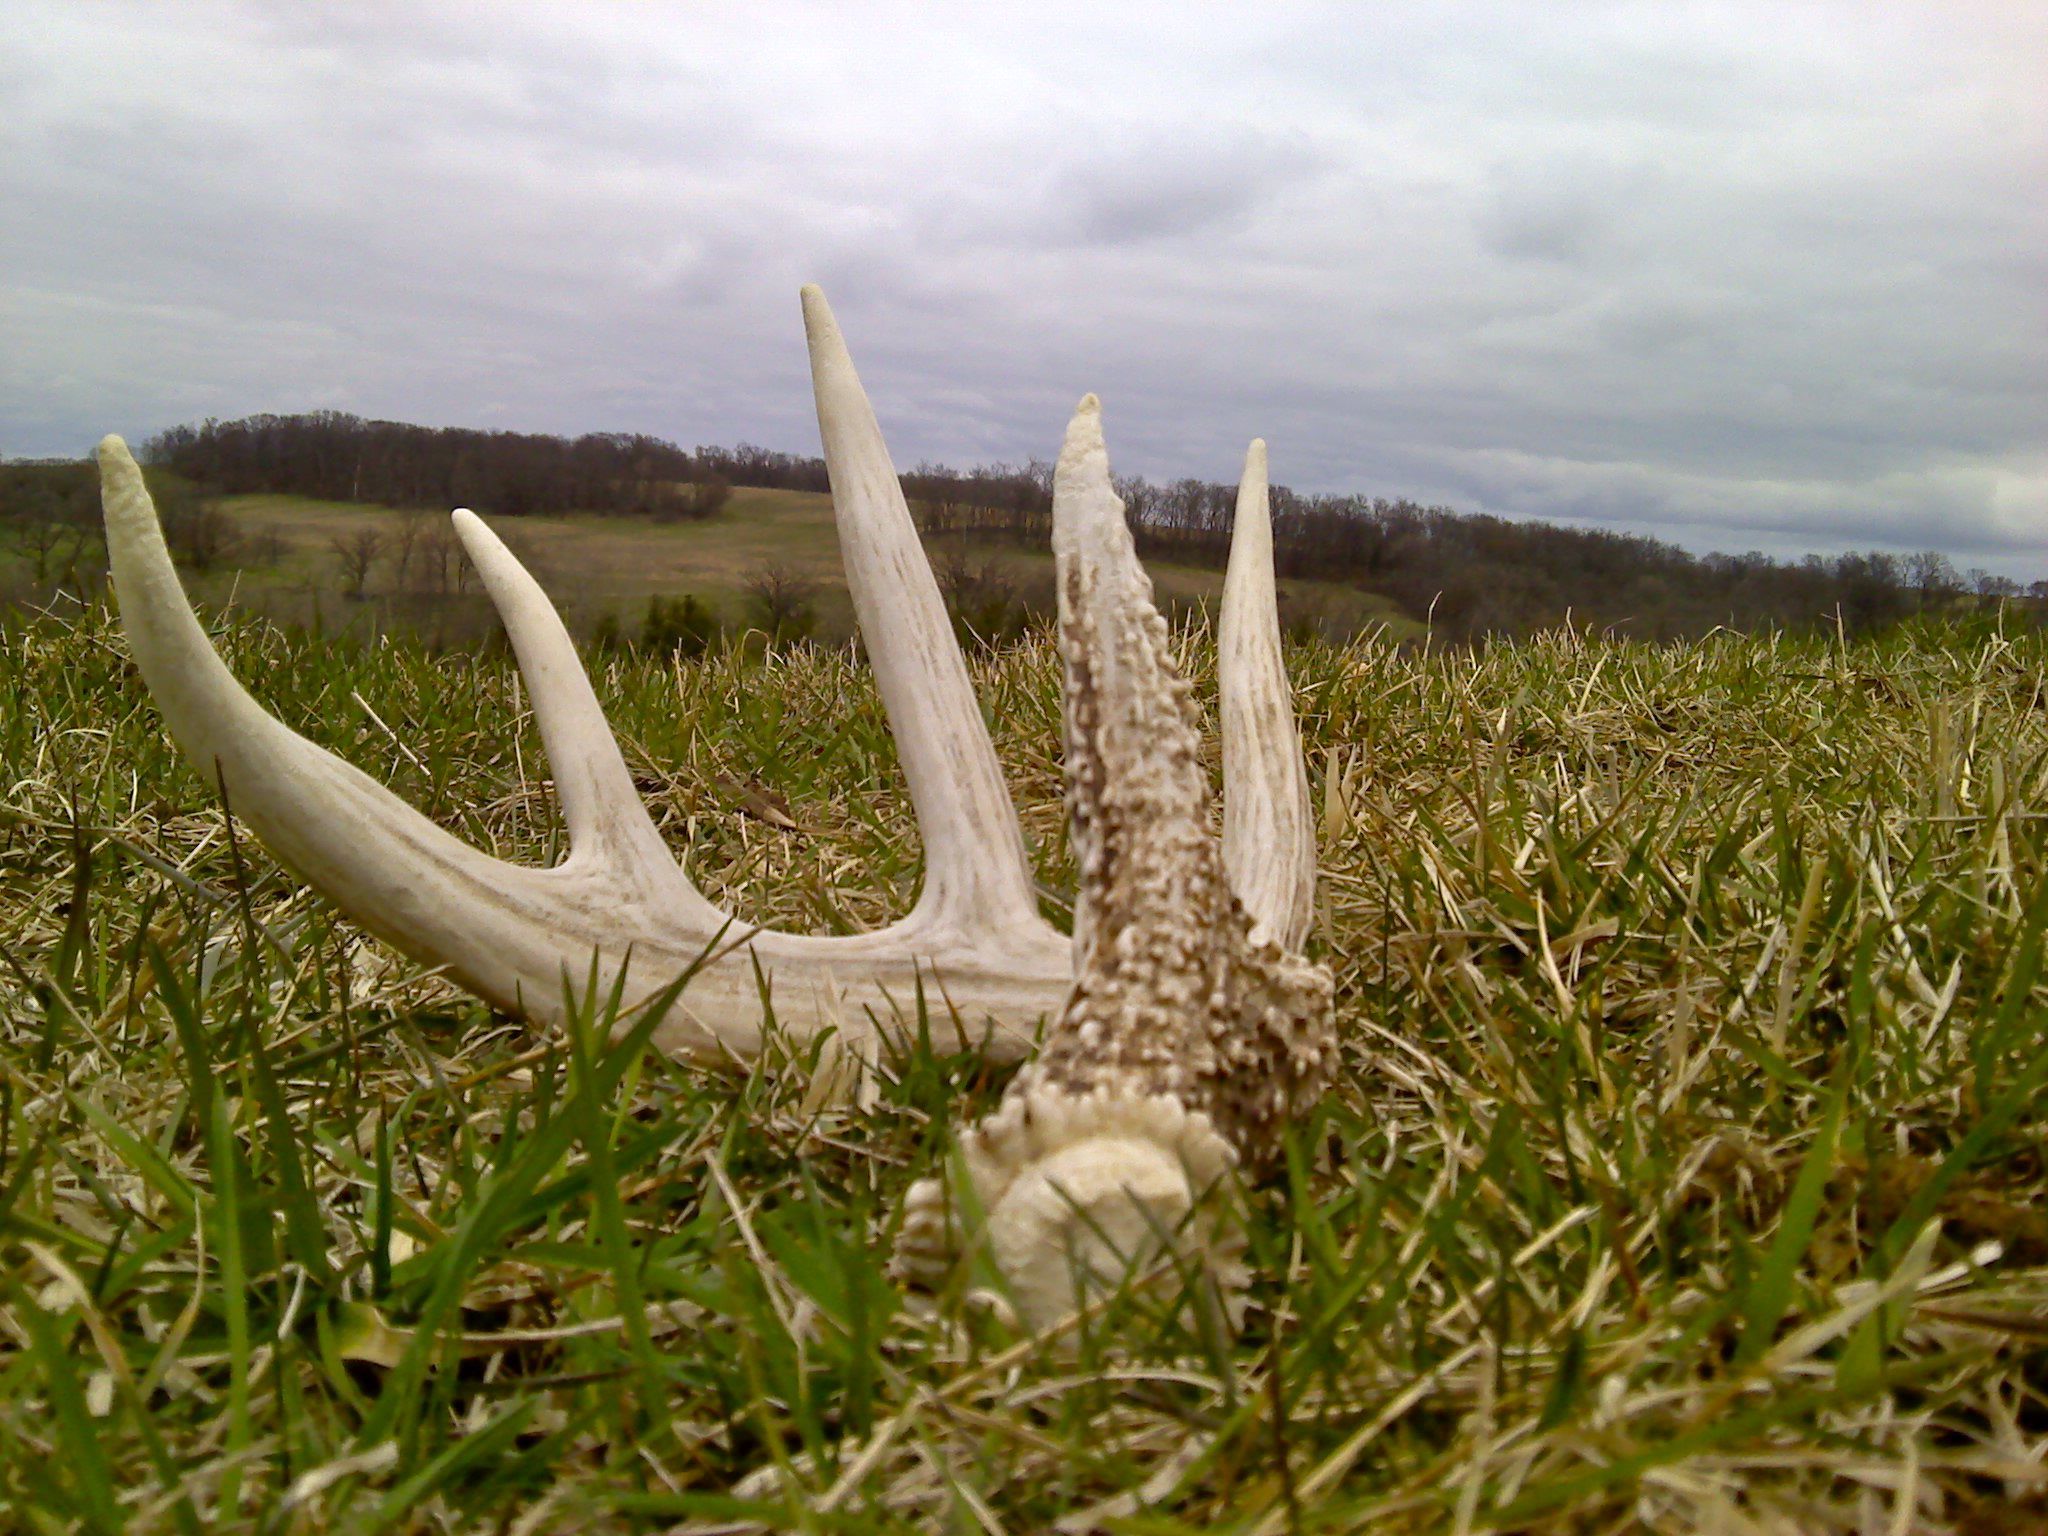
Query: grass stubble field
596, 565
1685, 1172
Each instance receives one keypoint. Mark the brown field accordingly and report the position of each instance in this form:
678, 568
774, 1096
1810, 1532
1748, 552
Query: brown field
595, 564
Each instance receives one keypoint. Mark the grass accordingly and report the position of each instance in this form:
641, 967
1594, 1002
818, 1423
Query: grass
1685, 1173
599, 564
599, 561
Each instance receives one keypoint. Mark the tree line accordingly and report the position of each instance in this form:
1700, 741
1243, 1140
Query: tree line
1468, 576
334, 456
1473, 575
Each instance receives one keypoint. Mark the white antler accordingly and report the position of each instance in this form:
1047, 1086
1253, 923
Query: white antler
1269, 840
973, 944
976, 873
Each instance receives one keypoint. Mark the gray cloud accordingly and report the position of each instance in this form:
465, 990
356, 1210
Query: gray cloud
1766, 278
1170, 189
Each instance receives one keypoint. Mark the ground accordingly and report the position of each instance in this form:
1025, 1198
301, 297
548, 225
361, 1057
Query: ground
593, 565
1685, 1172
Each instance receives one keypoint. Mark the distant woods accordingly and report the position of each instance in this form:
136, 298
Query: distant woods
50, 525
1466, 576
1470, 575
337, 457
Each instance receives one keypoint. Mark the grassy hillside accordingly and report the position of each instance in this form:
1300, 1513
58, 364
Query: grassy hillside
1685, 1172
592, 565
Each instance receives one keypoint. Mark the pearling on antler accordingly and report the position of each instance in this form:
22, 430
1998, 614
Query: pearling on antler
1191, 1028
1193, 1032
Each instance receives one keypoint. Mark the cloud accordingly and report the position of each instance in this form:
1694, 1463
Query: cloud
1726, 276
2002, 512
1195, 186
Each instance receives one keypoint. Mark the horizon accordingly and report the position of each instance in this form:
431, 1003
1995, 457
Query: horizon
1733, 281
1962, 574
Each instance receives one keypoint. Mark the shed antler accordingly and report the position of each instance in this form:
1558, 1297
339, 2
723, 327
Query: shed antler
1194, 1031
973, 944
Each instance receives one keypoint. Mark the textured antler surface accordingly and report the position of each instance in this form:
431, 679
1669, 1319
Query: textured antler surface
1190, 1037
1190, 1029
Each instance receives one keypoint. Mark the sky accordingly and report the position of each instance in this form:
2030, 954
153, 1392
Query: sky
1767, 277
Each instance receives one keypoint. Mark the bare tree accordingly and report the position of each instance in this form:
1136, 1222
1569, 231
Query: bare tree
982, 599
199, 533
1990, 588
357, 554
41, 540
710, 495
436, 557
781, 601
1931, 573
413, 529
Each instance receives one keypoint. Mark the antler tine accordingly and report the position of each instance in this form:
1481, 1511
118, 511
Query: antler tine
608, 825
1269, 847
974, 946
1123, 701
977, 876
503, 931
1187, 1044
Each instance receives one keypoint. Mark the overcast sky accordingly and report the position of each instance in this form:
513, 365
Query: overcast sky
1769, 277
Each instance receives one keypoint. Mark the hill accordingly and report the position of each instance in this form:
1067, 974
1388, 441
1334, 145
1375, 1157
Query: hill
280, 560
1468, 575
622, 533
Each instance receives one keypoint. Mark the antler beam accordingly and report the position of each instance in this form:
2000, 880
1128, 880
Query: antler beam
973, 944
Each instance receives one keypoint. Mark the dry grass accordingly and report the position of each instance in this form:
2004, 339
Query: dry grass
599, 564
1686, 1173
